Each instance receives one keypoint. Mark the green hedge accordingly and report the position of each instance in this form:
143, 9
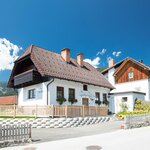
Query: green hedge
140, 108
121, 115
16, 117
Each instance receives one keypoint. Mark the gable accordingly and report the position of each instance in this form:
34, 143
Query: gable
131, 71
23, 70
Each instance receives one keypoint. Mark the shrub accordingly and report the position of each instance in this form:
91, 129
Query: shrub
61, 100
121, 115
98, 102
141, 105
140, 108
124, 107
72, 100
106, 102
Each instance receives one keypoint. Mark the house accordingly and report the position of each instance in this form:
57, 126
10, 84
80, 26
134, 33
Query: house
131, 80
8, 100
42, 76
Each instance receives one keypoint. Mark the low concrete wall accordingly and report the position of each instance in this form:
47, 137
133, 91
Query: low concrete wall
55, 122
136, 121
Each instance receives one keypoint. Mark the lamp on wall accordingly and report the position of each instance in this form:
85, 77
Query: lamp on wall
40, 90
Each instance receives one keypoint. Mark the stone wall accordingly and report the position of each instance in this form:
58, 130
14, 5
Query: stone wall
136, 121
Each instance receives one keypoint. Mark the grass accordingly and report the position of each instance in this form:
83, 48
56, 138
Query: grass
16, 117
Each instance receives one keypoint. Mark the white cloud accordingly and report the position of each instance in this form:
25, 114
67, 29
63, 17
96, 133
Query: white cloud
95, 62
8, 54
117, 54
102, 52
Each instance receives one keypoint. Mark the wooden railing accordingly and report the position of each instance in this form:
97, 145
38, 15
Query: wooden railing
15, 132
53, 111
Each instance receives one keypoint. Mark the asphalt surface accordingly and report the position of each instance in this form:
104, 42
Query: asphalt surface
132, 139
53, 134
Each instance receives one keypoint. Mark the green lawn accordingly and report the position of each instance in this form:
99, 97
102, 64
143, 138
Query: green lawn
16, 117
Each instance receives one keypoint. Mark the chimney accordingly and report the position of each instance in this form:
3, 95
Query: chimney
65, 54
141, 61
80, 59
111, 62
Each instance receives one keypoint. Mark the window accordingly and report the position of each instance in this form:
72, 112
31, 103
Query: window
124, 99
31, 94
104, 97
60, 92
130, 75
71, 93
97, 95
85, 88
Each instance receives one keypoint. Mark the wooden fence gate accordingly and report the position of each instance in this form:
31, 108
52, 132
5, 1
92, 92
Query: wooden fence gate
15, 132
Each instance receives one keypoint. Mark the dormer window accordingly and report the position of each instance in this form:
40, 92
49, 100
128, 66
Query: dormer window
131, 75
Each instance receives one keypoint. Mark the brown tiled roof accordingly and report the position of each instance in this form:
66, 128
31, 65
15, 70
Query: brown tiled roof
114, 66
8, 100
25, 53
49, 63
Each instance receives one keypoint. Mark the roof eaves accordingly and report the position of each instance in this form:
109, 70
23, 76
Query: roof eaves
106, 70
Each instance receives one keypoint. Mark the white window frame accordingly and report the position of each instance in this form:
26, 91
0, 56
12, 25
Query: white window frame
131, 75
31, 94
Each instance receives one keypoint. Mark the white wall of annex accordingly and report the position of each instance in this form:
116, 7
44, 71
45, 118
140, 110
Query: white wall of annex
139, 86
130, 101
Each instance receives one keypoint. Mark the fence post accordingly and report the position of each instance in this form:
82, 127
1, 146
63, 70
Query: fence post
96, 108
83, 111
52, 106
0, 132
29, 131
14, 115
66, 111
36, 111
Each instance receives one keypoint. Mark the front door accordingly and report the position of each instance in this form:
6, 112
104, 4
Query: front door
85, 101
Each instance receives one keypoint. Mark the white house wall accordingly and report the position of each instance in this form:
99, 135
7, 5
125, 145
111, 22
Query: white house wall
111, 78
41, 93
149, 88
139, 86
79, 93
130, 100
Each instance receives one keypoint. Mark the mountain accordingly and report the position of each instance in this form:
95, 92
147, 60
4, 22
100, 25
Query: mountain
4, 91
101, 69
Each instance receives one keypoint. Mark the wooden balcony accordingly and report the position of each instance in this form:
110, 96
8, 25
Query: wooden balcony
27, 78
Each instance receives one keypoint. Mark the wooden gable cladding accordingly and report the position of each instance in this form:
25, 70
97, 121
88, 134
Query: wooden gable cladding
24, 74
139, 72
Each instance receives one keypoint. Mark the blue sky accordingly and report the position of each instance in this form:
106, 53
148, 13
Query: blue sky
87, 26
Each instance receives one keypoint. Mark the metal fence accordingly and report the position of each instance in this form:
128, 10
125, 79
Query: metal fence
15, 132
134, 121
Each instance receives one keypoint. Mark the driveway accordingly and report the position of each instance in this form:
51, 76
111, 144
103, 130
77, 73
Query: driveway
53, 134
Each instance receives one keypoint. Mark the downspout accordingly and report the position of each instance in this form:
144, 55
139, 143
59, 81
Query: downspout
52, 80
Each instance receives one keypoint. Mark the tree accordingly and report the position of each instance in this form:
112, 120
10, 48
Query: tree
5, 91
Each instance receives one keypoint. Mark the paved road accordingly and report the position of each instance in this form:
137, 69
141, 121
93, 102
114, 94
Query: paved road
52, 134
134, 139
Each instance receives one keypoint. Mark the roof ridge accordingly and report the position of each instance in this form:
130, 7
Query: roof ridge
129, 58
27, 49
142, 64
